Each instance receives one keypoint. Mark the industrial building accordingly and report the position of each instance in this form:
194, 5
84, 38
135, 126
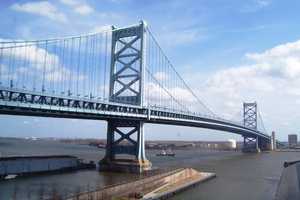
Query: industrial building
293, 140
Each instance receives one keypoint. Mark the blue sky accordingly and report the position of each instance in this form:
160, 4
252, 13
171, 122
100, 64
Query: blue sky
237, 50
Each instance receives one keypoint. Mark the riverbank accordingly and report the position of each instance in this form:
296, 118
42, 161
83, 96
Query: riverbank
159, 186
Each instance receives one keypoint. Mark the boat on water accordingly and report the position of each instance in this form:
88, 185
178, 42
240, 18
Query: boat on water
166, 153
10, 176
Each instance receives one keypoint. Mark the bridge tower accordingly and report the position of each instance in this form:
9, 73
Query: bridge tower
127, 74
250, 115
251, 144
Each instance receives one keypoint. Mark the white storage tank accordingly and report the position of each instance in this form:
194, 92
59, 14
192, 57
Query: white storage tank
232, 143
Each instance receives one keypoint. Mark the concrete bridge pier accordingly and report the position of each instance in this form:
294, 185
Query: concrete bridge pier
126, 86
251, 145
125, 148
255, 145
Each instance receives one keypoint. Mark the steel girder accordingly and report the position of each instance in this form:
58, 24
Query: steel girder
127, 65
130, 141
22, 102
250, 144
250, 115
127, 87
257, 144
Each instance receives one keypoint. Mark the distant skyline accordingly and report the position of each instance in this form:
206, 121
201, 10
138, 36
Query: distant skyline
229, 52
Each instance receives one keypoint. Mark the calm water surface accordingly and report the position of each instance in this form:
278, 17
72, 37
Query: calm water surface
239, 176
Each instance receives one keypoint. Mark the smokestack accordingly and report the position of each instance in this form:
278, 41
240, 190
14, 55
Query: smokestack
273, 141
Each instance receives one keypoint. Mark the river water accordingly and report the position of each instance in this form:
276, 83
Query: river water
239, 176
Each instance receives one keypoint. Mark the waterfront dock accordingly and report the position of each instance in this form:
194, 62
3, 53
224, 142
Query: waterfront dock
13, 166
185, 179
159, 186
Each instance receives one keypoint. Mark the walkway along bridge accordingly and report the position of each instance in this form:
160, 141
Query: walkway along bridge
120, 75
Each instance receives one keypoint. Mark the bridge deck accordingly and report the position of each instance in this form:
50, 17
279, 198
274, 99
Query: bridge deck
22, 102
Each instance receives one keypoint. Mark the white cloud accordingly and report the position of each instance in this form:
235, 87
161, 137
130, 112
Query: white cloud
98, 29
42, 8
84, 9
160, 76
33, 60
158, 96
70, 2
180, 37
255, 5
263, 3
272, 79
4, 71
78, 7
58, 74
33, 54
274, 68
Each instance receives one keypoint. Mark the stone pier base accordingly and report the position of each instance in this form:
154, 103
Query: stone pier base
251, 150
120, 165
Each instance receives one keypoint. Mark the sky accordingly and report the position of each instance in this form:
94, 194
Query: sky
228, 51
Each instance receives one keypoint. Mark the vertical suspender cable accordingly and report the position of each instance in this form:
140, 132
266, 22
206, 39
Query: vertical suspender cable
53, 67
44, 66
28, 64
99, 67
78, 66
24, 66
96, 71
84, 54
13, 71
1, 62
72, 67
35, 64
62, 68
105, 63
92, 70
9, 66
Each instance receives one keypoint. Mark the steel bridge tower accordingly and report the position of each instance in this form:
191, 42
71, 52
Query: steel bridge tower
127, 75
250, 115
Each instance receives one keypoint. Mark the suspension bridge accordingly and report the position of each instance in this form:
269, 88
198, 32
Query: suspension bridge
120, 75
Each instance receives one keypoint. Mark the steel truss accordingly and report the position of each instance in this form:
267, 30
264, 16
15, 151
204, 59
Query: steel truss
250, 115
255, 144
23, 102
15, 97
250, 143
130, 141
127, 65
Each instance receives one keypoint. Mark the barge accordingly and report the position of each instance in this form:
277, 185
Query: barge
166, 153
28, 165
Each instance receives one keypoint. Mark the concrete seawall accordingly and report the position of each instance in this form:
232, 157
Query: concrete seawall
179, 182
160, 186
289, 185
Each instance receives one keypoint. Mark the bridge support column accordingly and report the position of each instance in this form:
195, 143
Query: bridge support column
273, 142
255, 145
251, 145
127, 75
125, 137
